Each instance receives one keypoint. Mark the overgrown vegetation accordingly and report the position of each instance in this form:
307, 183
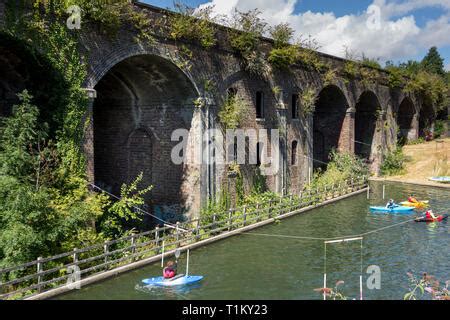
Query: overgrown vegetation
308, 100
46, 205
341, 168
193, 24
245, 39
233, 112
393, 163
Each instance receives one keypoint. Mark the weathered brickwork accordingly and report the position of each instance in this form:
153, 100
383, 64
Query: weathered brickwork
144, 91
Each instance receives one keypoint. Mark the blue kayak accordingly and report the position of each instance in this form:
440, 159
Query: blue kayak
398, 209
179, 281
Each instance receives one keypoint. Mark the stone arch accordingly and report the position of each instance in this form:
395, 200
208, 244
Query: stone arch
330, 130
98, 69
427, 118
406, 120
140, 102
366, 116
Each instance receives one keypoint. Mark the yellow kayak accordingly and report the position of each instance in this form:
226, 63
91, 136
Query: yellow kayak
419, 204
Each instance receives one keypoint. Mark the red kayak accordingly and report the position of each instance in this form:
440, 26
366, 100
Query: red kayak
438, 219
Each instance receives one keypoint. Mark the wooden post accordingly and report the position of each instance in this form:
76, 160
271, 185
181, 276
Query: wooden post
230, 213
245, 215
269, 214
352, 184
257, 212
75, 257
157, 239
197, 231
106, 251
133, 247
178, 234
40, 268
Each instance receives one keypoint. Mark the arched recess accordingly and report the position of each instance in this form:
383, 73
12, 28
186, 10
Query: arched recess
140, 102
365, 123
21, 67
427, 118
405, 120
328, 124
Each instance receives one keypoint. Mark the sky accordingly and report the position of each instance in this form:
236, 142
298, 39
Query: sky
397, 30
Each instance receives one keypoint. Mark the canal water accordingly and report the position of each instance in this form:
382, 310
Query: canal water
255, 266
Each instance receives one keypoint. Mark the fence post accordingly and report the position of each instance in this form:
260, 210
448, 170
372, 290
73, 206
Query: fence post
40, 268
214, 222
352, 184
157, 239
245, 215
106, 251
197, 231
269, 214
133, 247
230, 213
178, 234
258, 215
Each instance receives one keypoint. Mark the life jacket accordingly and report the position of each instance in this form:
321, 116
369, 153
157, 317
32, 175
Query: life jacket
412, 200
168, 273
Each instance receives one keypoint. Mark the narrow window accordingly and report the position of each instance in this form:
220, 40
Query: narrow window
235, 150
259, 105
295, 106
258, 154
294, 153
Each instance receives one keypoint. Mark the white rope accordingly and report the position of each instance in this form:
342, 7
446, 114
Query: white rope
166, 223
327, 239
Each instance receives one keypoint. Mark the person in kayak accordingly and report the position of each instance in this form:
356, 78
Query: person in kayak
170, 271
391, 204
412, 199
430, 215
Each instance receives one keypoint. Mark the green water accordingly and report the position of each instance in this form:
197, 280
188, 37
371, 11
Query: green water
260, 267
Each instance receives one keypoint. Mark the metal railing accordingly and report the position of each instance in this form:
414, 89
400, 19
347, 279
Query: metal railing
44, 274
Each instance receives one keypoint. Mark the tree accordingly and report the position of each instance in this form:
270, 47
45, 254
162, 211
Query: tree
433, 62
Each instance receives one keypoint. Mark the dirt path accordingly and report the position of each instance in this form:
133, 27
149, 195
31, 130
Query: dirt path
424, 161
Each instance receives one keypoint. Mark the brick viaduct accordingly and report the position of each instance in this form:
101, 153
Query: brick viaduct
140, 93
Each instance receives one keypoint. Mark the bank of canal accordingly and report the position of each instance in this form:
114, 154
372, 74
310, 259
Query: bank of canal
251, 266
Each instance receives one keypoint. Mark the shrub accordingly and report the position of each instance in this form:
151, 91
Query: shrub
341, 168
393, 163
232, 113
193, 24
283, 58
308, 100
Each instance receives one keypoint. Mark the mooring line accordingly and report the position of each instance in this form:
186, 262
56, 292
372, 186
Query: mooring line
327, 239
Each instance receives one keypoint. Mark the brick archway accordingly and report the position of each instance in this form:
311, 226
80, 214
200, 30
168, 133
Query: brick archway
330, 130
367, 109
140, 102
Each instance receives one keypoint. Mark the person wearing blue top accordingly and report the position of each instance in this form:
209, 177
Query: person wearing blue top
391, 204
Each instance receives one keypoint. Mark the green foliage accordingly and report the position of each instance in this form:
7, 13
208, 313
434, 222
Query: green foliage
433, 62
283, 58
396, 77
330, 77
124, 209
245, 39
233, 112
308, 100
393, 163
351, 69
370, 63
341, 168
282, 35
432, 87
439, 128
193, 24
42, 208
